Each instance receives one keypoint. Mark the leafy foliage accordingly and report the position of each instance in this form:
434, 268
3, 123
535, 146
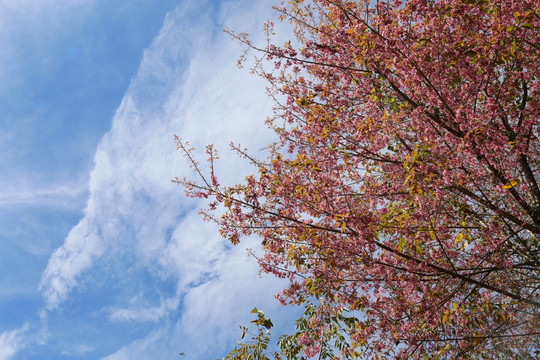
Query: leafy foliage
404, 184
254, 349
292, 347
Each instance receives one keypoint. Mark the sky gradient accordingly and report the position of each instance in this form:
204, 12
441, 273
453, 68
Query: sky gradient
101, 256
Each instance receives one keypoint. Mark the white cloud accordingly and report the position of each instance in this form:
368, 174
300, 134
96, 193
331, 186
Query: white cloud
82, 245
188, 83
130, 184
11, 342
139, 348
138, 312
79, 349
63, 196
216, 308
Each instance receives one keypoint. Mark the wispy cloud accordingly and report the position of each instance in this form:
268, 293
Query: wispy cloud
136, 222
78, 350
82, 246
210, 101
140, 347
11, 342
139, 312
63, 196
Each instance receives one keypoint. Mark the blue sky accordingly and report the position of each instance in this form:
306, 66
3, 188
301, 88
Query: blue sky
101, 257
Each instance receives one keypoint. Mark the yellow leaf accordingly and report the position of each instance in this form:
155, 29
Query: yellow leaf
445, 317
511, 184
459, 237
401, 245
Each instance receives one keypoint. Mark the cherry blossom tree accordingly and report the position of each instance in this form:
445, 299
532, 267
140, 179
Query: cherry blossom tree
403, 187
